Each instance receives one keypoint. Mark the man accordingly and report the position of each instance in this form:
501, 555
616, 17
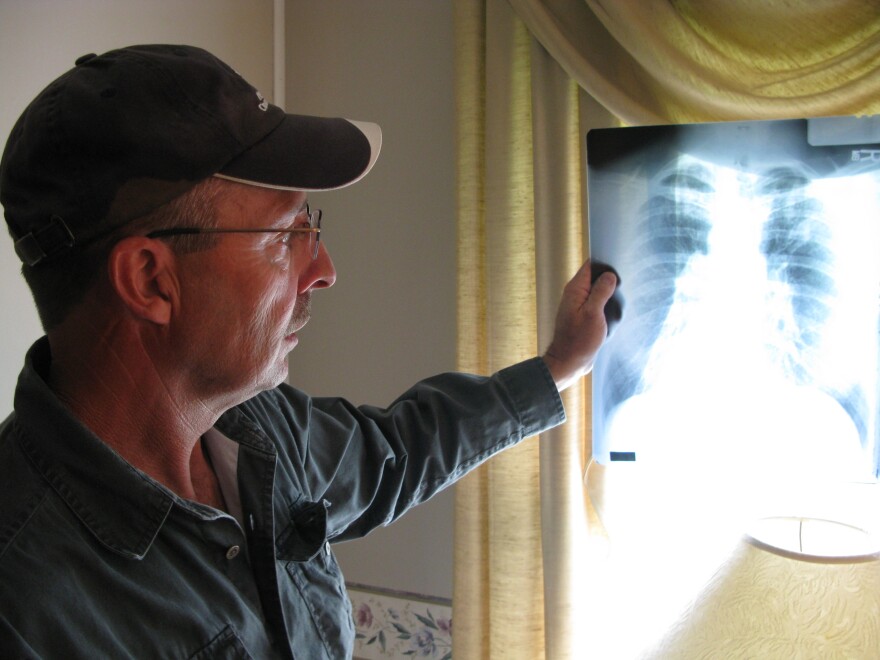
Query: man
163, 493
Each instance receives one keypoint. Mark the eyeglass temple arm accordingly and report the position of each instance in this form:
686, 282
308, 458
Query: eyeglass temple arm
190, 231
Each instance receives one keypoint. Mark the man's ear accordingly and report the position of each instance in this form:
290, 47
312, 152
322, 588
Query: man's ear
142, 272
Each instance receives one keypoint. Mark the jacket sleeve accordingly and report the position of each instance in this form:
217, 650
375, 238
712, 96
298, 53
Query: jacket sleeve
370, 465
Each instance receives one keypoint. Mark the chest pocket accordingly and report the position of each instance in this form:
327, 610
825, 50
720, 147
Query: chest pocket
319, 611
226, 646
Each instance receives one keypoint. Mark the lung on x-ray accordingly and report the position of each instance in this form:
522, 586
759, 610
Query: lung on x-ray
749, 259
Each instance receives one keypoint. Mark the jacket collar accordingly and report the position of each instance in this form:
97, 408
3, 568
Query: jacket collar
123, 507
119, 504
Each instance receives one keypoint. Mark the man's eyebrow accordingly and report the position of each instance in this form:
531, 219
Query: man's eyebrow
287, 218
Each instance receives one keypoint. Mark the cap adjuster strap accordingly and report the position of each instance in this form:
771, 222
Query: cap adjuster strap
45, 243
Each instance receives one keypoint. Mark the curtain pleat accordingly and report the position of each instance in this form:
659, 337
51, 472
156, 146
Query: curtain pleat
498, 587
471, 538
559, 248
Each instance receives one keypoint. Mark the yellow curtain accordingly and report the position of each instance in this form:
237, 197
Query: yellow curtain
520, 520
532, 76
498, 550
676, 61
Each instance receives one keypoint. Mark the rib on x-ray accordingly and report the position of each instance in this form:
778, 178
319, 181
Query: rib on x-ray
749, 259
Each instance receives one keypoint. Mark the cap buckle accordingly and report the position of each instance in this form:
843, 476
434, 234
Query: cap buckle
45, 243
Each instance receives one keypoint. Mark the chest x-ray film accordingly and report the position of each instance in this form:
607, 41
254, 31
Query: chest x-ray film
749, 258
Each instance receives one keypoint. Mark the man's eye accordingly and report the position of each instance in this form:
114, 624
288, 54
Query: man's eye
303, 235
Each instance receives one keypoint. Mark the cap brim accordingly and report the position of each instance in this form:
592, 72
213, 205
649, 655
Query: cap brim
308, 153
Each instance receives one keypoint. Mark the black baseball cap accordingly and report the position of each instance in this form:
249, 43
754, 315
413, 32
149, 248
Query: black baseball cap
123, 133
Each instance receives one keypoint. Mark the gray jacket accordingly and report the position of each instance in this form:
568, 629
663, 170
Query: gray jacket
99, 560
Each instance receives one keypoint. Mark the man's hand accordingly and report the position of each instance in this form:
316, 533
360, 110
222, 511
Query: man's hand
581, 323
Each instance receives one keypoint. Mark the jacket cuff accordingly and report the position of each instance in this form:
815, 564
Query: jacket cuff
533, 391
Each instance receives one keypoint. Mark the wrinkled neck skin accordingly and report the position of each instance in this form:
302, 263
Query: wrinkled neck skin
116, 376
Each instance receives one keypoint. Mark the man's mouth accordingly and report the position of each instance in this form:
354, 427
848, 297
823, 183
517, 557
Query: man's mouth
302, 312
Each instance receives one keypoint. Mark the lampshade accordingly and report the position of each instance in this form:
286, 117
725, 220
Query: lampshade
681, 579
770, 603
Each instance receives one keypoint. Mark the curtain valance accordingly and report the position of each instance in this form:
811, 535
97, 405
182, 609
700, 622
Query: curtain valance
662, 61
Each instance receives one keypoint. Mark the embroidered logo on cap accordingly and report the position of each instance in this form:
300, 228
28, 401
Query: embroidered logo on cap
264, 104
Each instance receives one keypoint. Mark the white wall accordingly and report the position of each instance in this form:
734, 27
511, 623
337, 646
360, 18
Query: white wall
390, 318
40, 39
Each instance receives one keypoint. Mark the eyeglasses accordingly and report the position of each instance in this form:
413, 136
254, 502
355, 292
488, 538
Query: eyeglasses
314, 230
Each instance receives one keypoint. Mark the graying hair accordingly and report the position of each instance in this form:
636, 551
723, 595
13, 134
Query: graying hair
59, 286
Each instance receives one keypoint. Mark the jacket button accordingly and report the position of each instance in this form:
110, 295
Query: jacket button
233, 551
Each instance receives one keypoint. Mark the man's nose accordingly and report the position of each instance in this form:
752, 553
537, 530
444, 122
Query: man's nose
321, 272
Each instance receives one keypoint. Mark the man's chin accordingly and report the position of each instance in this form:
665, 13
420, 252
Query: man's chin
275, 372
273, 378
